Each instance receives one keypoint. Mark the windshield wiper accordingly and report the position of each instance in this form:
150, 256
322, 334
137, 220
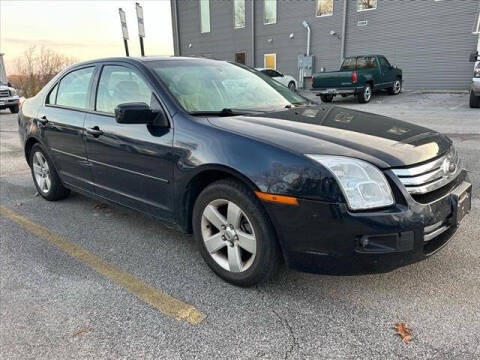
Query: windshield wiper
223, 112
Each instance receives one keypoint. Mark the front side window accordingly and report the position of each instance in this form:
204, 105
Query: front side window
204, 16
210, 85
73, 89
366, 5
239, 13
384, 62
120, 85
324, 7
269, 12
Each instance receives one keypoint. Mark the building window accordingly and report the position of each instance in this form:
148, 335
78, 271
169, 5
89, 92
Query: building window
270, 61
204, 16
239, 14
324, 8
241, 57
363, 5
270, 12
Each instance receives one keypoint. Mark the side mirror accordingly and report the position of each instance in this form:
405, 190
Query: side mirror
474, 56
139, 113
9, 84
395, 66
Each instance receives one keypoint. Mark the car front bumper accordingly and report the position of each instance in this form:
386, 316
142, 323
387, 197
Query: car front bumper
328, 238
476, 86
6, 102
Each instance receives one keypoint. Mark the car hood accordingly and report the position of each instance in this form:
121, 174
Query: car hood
333, 130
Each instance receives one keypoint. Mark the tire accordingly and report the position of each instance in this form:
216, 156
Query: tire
474, 100
14, 109
262, 260
54, 190
396, 88
365, 95
326, 98
291, 86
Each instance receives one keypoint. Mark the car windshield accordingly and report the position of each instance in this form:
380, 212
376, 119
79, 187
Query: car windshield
212, 86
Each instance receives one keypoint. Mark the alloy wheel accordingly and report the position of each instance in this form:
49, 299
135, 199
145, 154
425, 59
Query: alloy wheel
41, 171
228, 235
397, 85
367, 93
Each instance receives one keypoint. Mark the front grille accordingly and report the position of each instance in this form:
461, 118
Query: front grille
424, 178
4, 93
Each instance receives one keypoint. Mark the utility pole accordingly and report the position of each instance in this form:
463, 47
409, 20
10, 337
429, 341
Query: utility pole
141, 26
123, 23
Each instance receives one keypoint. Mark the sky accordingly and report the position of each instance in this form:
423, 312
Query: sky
82, 29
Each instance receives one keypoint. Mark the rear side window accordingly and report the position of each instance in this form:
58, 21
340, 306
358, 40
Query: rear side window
120, 85
73, 89
366, 62
349, 64
52, 97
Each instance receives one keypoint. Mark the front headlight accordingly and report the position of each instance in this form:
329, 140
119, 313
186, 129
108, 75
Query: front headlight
13, 92
363, 185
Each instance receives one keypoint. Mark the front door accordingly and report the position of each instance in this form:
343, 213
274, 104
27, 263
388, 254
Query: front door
131, 163
61, 123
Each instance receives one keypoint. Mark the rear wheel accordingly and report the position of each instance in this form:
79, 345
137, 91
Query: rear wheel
14, 109
291, 85
396, 88
44, 175
234, 234
365, 95
326, 98
474, 100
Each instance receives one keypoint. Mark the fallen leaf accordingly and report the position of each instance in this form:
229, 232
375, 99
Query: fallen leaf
36, 194
403, 330
100, 206
81, 331
19, 204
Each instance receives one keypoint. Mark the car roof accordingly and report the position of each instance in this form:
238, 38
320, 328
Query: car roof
143, 59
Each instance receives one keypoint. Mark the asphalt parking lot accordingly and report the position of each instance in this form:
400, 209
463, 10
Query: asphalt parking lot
80, 280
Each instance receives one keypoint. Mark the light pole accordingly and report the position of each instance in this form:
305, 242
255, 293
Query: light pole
123, 23
141, 26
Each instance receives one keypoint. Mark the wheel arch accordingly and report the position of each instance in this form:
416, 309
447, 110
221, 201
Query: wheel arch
28, 147
205, 176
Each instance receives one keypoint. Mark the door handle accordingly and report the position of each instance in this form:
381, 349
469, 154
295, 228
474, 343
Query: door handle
95, 131
43, 120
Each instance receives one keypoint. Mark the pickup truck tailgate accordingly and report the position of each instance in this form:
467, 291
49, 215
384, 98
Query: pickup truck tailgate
334, 79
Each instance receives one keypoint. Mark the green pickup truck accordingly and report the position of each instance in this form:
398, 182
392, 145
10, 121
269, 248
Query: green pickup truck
359, 76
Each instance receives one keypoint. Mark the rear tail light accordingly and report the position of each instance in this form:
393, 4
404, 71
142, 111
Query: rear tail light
354, 77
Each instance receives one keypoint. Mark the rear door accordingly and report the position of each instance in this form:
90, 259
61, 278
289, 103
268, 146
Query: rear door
132, 164
62, 126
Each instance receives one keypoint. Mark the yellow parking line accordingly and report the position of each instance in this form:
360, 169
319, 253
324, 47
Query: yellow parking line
160, 300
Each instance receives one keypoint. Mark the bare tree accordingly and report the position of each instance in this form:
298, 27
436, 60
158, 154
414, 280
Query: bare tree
37, 67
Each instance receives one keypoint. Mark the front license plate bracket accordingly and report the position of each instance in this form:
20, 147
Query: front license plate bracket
461, 202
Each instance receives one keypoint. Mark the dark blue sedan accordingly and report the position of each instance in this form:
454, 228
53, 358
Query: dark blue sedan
258, 173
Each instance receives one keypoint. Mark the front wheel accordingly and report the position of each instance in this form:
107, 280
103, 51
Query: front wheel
474, 100
396, 88
291, 86
365, 95
234, 234
44, 175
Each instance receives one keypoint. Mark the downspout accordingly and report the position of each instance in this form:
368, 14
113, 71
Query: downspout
176, 28
253, 33
306, 26
344, 28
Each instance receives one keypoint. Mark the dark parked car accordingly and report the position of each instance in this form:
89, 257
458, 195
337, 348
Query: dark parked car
255, 171
359, 76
